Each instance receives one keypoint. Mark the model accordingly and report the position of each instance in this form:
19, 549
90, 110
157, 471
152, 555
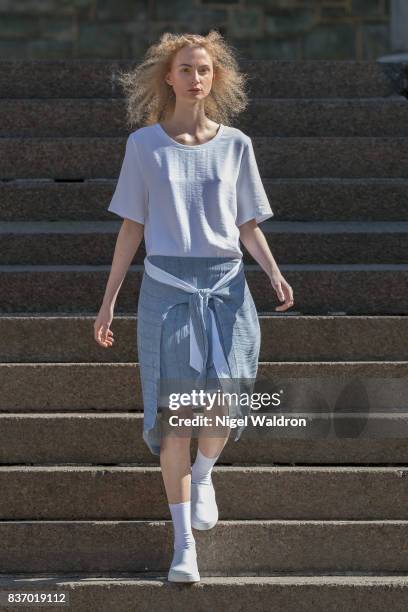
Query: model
190, 185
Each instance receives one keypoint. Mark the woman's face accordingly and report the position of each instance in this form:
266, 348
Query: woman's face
191, 68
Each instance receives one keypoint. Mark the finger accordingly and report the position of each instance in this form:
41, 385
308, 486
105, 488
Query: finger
288, 299
286, 305
290, 292
279, 292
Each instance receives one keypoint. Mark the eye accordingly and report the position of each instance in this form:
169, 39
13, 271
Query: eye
201, 69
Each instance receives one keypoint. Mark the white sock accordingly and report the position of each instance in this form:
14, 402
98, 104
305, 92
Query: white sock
202, 467
181, 516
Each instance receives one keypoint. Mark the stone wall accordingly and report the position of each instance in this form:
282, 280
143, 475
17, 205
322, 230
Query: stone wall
122, 29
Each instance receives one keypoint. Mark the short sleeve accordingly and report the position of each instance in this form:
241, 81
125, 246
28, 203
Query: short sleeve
130, 197
252, 201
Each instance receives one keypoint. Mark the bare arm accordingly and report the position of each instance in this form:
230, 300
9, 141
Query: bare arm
253, 238
127, 243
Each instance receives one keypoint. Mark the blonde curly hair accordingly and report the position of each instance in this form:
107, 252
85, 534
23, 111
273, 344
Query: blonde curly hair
149, 99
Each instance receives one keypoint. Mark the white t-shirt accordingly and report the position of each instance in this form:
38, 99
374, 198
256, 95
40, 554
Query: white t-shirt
190, 198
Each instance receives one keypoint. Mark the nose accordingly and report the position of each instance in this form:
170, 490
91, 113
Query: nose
196, 79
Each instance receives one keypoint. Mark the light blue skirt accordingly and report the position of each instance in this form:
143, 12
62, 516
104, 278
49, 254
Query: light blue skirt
163, 336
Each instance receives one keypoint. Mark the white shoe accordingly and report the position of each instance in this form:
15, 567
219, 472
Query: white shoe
184, 566
204, 510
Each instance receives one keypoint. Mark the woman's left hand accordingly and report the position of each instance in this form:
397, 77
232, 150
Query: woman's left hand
283, 291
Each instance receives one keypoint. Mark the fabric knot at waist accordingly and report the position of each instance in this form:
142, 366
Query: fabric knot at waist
204, 292
198, 314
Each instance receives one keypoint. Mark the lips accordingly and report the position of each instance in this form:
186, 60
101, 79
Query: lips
194, 90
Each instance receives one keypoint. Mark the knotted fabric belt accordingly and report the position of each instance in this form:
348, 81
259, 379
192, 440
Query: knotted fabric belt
198, 311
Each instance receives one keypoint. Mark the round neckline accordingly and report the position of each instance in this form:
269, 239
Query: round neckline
191, 147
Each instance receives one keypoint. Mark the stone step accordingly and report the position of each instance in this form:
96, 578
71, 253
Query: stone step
313, 242
318, 289
276, 493
90, 78
302, 199
232, 547
145, 592
112, 438
116, 386
291, 593
265, 117
42, 338
295, 157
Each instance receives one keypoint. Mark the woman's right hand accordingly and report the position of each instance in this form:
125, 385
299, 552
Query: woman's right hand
102, 334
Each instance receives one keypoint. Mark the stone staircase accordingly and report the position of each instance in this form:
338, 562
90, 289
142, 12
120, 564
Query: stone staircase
312, 524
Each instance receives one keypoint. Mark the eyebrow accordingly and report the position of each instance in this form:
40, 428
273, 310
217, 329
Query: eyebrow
189, 65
